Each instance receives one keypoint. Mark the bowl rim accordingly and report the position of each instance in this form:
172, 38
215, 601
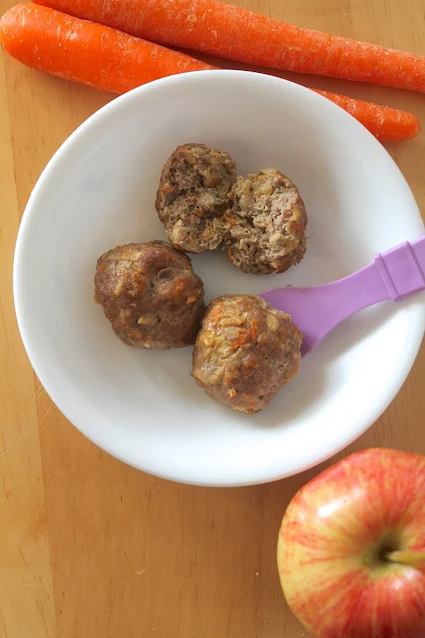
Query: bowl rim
29, 215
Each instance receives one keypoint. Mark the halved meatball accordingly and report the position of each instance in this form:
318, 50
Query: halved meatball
265, 228
150, 294
193, 194
245, 352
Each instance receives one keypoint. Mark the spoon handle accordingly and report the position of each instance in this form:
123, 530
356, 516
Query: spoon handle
393, 275
403, 269
316, 311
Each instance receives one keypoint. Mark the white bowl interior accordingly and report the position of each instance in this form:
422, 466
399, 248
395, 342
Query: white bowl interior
99, 191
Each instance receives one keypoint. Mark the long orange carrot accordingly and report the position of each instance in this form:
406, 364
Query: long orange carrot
387, 124
239, 34
88, 53
107, 59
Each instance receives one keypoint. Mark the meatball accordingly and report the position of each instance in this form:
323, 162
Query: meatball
265, 228
245, 352
193, 194
150, 294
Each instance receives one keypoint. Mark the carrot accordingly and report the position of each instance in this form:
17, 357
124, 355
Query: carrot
239, 34
107, 59
88, 53
387, 124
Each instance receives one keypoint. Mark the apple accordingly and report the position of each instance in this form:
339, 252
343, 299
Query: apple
351, 550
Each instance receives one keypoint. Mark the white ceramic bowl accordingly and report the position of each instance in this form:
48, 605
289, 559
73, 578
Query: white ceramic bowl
98, 191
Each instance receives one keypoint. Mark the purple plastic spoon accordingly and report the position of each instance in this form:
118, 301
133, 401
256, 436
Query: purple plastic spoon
316, 311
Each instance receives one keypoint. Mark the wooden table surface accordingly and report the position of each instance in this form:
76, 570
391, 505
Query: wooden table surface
90, 547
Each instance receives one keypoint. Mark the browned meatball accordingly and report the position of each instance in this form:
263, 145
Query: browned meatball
265, 231
245, 352
150, 294
193, 194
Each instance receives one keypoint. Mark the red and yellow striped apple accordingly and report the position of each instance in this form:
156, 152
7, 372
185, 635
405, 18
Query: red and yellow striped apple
351, 550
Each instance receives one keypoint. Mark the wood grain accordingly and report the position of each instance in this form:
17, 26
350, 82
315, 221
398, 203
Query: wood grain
88, 546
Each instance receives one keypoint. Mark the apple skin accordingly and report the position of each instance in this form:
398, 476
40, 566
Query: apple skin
334, 536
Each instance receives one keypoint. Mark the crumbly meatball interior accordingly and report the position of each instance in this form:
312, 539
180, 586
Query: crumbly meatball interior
245, 352
150, 294
265, 228
193, 195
